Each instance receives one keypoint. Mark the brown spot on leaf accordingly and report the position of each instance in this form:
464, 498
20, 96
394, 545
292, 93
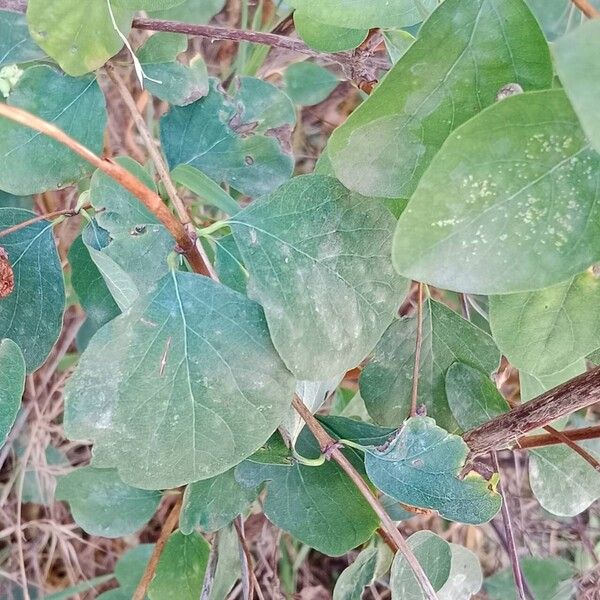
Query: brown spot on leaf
7, 278
283, 134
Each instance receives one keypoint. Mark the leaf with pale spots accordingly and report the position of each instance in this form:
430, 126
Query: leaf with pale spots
465, 52
509, 204
318, 258
422, 467
188, 366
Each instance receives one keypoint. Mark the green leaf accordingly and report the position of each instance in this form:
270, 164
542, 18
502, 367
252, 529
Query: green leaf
128, 571
229, 265
466, 51
318, 505
578, 66
182, 387
319, 264
386, 381
181, 568
147, 4
228, 563
191, 11
327, 37
486, 205
213, 503
30, 162
39, 482
535, 385
397, 42
87, 281
135, 256
12, 385
421, 467
203, 186
541, 332
11, 201
32, 314
307, 83
101, 504
162, 48
358, 575
241, 139
558, 17
434, 555
472, 396
16, 46
357, 14
546, 578
465, 578
78, 34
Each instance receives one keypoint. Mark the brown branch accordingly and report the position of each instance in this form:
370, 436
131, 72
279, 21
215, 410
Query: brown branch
65, 212
151, 200
417, 364
501, 432
586, 8
167, 528
538, 441
575, 447
332, 450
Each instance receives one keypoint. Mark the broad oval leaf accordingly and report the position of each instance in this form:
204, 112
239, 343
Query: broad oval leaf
472, 396
31, 162
31, 315
16, 45
191, 11
12, 384
242, 140
541, 332
128, 571
181, 387
434, 555
487, 204
319, 264
356, 576
466, 51
78, 34
327, 37
213, 503
386, 380
307, 83
101, 504
180, 571
465, 578
421, 467
578, 67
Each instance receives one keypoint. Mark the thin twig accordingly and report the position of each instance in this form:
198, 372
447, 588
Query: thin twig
511, 546
167, 528
563, 400
330, 448
65, 212
417, 364
575, 447
252, 583
149, 198
541, 440
586, 8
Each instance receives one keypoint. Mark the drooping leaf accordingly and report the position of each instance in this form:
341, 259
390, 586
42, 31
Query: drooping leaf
421, 467
356, 576
559, 17
135, 256
181, 568
578, 67
168, 79
547, 578
101, 504
386, 381
16, 45
319, 264
181, 387
472, 396
312, 502
191, 11
12, 384
355, 430
361, 15
466, 51
228, 563
327, 37
541, 332
31, 315
78, 34
213, 503
486, 205
242, 140
30, 162
434, 555
90, 287
128, 571
229, 264
307, 83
